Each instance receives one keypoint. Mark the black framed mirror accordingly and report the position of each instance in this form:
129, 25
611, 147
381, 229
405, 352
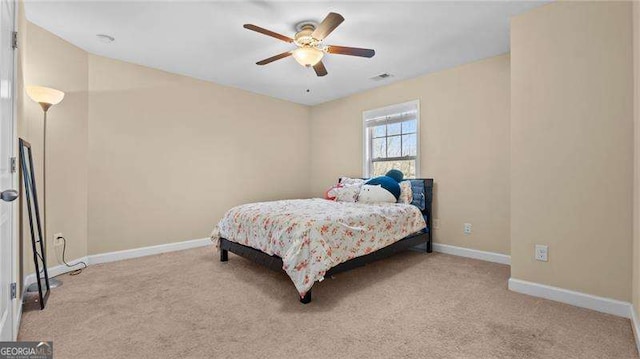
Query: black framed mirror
37, 241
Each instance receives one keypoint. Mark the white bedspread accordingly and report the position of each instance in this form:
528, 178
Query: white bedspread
313, 235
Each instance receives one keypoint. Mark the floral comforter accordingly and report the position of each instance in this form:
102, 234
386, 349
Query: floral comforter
313, 235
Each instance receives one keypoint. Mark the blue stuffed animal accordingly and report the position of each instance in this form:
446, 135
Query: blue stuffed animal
383, 188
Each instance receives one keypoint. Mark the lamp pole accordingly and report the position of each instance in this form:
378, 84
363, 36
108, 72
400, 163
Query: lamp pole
45, 97
53, 282
45, 108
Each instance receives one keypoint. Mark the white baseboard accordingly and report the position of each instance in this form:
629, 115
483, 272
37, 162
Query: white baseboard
578, 299
635, 325
148, 251
472, 253
122, 255
55, 271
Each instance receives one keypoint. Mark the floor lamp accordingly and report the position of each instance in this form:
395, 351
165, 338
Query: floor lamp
46, 97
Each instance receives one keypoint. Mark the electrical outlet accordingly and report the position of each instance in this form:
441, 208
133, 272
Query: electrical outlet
57, 239
467, 228
436, 223
542, 253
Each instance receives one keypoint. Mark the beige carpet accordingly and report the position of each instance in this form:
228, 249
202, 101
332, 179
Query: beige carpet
189, 305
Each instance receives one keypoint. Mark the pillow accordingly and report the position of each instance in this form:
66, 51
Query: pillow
406, 195
331, 193
346, 181
347, 193
417, 189
375, 194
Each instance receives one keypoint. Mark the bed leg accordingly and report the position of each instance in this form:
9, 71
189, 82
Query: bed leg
429, 245
307, 298
224, 255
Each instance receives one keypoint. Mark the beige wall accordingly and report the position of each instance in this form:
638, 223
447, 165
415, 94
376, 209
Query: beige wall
170, 154
464, 146
150, 157
47, 60
572, 146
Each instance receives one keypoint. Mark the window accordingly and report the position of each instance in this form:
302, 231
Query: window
391, 139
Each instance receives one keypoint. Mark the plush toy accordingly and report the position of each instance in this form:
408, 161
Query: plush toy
375, 194
382, 189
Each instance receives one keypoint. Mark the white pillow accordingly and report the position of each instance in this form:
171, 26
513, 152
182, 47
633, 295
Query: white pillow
406, 194
346, 181
375, 194
347, 193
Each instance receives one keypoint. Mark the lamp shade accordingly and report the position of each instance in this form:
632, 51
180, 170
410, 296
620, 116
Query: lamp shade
307, 56
45, 95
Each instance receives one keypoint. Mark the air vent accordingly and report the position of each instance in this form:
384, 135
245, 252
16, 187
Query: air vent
383, 76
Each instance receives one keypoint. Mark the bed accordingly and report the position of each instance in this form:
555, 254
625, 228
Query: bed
314, 238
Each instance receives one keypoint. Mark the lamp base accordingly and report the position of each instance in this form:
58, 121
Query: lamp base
53, 283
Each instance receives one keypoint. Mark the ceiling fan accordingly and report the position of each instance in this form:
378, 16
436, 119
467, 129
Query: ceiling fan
309, 40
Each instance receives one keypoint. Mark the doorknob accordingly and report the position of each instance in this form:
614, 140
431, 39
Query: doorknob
9, 195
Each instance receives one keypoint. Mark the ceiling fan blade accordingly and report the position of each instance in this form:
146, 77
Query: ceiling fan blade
267, 32
320, 69
351, 51
274, 58
327, 26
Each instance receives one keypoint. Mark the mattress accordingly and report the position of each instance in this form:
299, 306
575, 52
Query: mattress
314, 235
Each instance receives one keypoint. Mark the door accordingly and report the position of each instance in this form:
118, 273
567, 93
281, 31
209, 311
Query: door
7, 177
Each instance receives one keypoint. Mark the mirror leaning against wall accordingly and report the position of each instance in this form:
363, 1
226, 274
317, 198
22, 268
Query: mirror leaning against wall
27, 174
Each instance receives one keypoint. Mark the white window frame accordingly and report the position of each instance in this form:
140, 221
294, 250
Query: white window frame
369, 115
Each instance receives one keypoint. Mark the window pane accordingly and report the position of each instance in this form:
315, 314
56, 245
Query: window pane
410, 126
393, 129
378, 131
393, 146
409, 145
379, 147
408, 167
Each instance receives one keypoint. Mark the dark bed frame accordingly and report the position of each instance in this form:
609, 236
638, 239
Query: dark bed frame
275, 262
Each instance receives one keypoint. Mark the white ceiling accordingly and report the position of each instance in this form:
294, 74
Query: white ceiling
206, 40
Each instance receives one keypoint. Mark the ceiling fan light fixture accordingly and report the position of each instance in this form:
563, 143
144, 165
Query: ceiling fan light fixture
307, 56
303, 37
310, 41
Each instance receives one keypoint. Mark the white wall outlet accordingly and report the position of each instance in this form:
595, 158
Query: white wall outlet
57, 239
542, 253
467, 228
436, 223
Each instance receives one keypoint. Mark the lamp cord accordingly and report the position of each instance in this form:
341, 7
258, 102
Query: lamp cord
75, 271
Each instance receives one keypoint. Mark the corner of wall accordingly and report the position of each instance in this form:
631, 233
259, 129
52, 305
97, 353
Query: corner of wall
47, 60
